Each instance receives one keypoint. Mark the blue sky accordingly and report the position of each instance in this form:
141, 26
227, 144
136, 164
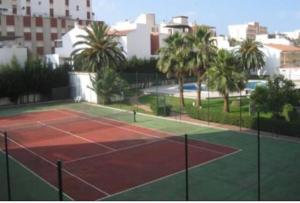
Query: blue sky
277, 15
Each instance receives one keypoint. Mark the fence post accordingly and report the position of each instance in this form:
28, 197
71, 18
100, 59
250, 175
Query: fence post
7, 166
240, 111
258, 158
208, 101
186, 167
60, 181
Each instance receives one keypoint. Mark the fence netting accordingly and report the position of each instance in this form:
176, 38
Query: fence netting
133, 146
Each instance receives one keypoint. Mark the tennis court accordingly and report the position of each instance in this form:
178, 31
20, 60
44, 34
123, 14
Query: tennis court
106, 156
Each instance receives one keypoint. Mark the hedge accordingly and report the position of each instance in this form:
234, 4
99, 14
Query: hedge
161, 110
269, 125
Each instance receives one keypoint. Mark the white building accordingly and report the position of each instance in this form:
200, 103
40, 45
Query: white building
293, 35
273, 39
246, 31
140, 38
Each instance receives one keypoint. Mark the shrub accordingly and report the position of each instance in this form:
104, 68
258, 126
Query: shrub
161, 110
289, 113
266, 124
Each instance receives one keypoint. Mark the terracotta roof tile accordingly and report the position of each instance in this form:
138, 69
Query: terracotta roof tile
284, 47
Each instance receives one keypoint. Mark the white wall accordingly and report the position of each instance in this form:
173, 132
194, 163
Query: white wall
80, 83
6, 55
139, 42
291, 73
272, 57
277, 40
68, 40
238, 32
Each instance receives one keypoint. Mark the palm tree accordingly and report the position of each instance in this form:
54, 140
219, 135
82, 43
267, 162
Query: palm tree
252, 58
228, 77
203, 51
174, 59
99, 48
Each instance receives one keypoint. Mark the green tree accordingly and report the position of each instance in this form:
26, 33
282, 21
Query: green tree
174, 59
251, 56
108, 83
227, 77
278, 93
203, 51
99, 49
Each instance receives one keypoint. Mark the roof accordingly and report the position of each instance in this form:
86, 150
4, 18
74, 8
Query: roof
120, 32
284, 47
180, 17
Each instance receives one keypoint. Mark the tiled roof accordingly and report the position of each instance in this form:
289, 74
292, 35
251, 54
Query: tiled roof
119, 32
284, 47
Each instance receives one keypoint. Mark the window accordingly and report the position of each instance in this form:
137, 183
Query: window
54, 36
67, 2
54, 22
51, 12
14, 9
28, 10
27, 36
67, 13
77, 8
10, 20
40, 50
27, 21
51, 1
40, 36
88, 3
88, 15
39, 22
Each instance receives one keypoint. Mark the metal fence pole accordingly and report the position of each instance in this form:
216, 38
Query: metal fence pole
258, 158
240, 110
208, 101
60, 181
186, 167
7, 166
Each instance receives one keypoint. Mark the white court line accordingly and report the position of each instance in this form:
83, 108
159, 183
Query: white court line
157, 137
168, 176
36, 175
154, 130
66, 171
74, 135
106, 153
23, 125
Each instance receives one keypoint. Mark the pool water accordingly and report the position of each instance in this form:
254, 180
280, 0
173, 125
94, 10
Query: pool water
251, 85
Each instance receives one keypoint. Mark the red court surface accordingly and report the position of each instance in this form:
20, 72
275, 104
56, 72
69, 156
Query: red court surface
101, 157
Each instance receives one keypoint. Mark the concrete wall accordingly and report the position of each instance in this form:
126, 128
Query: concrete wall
6, 55
139, 42
80, 83
291, 74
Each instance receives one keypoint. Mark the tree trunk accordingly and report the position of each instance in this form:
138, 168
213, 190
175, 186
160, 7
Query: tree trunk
226, 103
199, 91
181, 91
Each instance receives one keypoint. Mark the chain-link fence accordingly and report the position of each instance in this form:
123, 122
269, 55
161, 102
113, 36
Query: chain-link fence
145, 145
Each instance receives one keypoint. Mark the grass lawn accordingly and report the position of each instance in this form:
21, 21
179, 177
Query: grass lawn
230, 178
215, 105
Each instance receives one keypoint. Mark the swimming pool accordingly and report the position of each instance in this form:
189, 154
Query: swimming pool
250, 86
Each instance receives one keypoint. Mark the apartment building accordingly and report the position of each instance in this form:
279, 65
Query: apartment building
246, 31
36, 24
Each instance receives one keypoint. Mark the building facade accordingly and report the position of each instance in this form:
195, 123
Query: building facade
38, 23
246, 31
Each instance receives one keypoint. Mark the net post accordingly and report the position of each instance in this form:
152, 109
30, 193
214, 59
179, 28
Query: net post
59, 180
258, 158
186, 168
7, 166
134, 116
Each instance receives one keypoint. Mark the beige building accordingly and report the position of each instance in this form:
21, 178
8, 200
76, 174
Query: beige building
38, 23
246, 31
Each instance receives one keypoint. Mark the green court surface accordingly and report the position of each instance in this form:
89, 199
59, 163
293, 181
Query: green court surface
233, 177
